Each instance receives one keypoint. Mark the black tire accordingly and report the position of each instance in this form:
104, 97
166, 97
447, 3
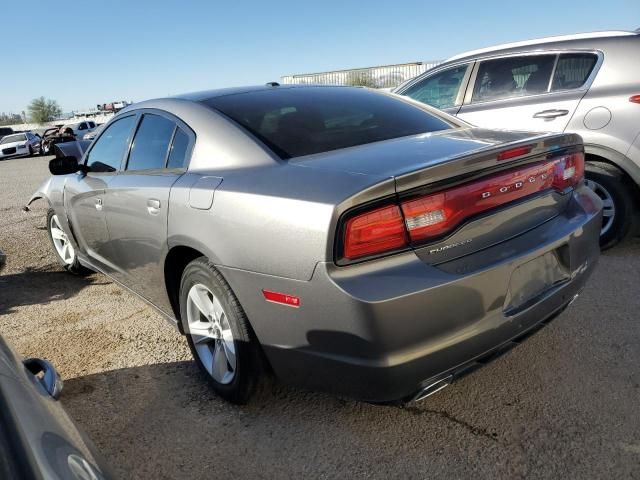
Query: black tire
248, 369
73, 267
617, 186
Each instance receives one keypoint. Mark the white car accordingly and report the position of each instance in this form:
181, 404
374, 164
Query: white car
80, 129
19, 144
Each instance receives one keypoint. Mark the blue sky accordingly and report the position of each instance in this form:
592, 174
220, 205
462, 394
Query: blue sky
100, 51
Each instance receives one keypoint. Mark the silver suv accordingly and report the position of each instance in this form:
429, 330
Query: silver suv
587, 84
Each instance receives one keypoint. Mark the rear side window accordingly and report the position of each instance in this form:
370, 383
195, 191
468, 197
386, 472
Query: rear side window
106, 154
439, 90
178, 153
151, 143
513, 77
572, 70
302, 121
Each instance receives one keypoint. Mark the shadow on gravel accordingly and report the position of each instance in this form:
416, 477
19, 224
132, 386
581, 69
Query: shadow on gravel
35, 286
167, 414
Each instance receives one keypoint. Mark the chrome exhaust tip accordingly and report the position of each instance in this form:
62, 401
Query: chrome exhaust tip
432, 388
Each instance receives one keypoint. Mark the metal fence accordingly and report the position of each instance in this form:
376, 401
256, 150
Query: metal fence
385, 76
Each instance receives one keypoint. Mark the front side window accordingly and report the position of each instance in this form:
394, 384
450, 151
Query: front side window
439, 90
151, 143
301, 121
572, 70
513, 77
106, 154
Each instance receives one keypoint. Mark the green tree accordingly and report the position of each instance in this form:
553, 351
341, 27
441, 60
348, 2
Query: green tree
361, 79
43, 110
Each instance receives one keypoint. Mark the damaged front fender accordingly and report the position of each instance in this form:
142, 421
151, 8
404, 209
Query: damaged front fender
42, 192
51, 191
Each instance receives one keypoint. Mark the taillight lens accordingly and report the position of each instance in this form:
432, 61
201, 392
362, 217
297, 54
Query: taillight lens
569, 171
431, 216
373, 232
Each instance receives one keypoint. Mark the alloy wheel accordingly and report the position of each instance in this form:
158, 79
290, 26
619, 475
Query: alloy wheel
608, 205
61, 241
211, 333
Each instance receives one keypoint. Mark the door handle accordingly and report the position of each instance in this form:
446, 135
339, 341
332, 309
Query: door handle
549, 114
98, 204
153, 206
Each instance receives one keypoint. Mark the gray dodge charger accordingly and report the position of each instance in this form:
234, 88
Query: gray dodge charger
344, 239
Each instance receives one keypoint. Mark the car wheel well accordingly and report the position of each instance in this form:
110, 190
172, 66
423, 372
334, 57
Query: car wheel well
175, 263
595, 159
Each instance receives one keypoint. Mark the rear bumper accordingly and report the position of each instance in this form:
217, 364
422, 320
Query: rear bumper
381, 331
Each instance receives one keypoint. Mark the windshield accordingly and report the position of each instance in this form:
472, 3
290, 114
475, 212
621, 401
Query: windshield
20, 137
302, 121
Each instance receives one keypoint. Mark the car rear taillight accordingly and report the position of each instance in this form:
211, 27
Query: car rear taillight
427, 217
432, 216
375, 231
634, 99
569, 171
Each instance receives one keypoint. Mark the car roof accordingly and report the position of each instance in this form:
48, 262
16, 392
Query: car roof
545, 40
223, 92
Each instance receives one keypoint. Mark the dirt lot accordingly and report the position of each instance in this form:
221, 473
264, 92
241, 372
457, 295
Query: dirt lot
564, 404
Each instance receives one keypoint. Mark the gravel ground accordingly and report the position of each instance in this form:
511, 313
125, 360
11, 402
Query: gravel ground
563, 404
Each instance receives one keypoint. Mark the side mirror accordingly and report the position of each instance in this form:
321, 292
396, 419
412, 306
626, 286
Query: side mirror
64, 165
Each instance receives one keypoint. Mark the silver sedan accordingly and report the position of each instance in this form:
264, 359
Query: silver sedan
344, 239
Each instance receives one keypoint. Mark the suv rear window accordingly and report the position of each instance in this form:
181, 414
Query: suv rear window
302, 121
572, 70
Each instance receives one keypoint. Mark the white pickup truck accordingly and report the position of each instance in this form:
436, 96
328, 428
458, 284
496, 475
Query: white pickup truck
81, 128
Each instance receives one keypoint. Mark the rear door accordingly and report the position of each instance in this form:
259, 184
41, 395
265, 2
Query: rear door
534, 92
84, 194
443, 89
138, 201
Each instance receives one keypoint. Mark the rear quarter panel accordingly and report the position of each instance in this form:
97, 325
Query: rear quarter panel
605, 116
276, 220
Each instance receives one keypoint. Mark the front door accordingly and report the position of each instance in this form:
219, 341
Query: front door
84, 194
443, 89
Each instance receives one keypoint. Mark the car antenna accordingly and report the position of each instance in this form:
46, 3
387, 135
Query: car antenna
272, 84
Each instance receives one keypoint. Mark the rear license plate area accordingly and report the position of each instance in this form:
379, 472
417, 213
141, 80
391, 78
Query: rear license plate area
531, 280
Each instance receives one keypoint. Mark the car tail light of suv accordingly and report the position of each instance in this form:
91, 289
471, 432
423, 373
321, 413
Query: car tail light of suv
429, 217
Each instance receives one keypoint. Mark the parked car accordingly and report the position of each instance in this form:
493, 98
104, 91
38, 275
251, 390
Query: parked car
587, 84
93, 133
19, 145
38, 438
53, 136
4, 131
81, 128
348, 240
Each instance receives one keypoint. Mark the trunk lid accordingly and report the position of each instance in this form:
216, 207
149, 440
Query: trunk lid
410, 158
424, 164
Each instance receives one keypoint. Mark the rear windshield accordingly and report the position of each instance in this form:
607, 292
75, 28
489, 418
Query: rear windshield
302, 121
